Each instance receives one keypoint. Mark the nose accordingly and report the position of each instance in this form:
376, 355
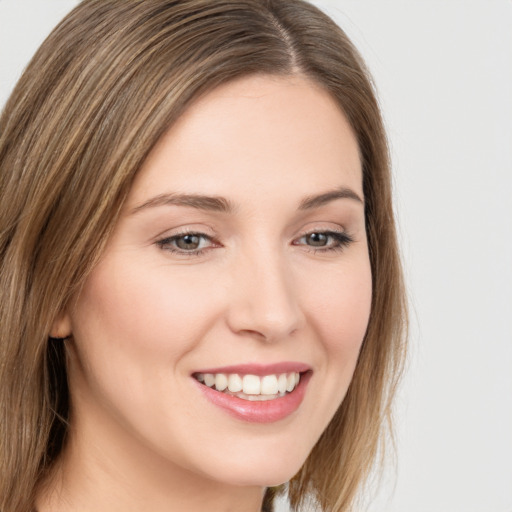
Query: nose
264, 302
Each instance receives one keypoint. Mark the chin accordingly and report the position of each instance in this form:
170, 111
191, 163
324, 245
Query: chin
268, 468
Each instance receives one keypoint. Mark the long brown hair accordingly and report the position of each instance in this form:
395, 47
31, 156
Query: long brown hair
97, 96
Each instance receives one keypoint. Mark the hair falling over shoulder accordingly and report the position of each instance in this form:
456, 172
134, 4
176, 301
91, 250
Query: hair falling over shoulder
99, 93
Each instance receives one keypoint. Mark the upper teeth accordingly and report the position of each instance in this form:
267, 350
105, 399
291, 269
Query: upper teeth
251, 384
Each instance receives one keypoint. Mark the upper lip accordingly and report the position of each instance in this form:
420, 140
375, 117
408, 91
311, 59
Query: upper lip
259, 369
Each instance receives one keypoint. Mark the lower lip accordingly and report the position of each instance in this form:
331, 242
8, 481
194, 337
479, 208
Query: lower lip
267, 411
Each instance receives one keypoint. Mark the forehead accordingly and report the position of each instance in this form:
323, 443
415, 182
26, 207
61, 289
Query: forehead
258, 130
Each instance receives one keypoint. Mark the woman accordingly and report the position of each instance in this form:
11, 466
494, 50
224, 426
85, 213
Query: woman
200, 286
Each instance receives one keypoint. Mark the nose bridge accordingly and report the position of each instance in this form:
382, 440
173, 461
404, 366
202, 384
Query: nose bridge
265, 301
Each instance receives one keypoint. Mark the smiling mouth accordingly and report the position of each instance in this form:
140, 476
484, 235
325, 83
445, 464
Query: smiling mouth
249, 387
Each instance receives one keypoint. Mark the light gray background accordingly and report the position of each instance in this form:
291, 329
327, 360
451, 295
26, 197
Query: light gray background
444, 74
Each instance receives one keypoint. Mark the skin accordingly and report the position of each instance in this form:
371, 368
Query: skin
142, 436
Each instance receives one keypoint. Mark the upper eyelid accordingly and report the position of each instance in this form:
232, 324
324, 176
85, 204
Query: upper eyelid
183, 231
328, 231
211, 236
323, 230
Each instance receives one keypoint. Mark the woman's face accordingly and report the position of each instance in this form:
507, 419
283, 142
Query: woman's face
240, 256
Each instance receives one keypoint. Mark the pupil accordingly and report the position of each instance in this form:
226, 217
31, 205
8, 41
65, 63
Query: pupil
317, 239
188, 242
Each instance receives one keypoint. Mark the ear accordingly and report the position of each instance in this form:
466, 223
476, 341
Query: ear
61, 327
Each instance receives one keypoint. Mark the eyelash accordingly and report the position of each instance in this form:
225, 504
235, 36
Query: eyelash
165, 243
340, 242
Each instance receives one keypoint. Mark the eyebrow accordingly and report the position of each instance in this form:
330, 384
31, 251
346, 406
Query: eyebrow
319, 200
201, 202
223, 205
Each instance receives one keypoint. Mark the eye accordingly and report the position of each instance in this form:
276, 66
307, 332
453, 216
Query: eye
186, 243
317, 239
325, 240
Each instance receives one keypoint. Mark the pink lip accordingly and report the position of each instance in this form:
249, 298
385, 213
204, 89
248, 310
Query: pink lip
257, 412
260, 369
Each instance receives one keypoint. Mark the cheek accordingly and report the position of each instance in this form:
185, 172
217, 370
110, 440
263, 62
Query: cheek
340, 305
146, 314
133, 330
